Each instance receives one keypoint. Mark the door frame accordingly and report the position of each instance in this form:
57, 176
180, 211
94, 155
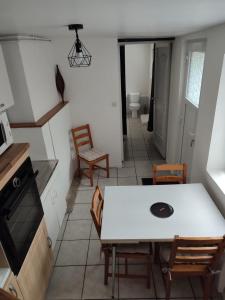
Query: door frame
170, 46
121, 43
123, 88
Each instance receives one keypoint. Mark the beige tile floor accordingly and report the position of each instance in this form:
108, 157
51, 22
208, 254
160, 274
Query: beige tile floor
78, 270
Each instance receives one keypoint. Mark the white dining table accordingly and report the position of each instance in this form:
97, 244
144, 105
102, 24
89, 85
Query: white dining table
127, 217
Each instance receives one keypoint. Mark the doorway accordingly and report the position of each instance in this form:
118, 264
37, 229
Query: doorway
145, 78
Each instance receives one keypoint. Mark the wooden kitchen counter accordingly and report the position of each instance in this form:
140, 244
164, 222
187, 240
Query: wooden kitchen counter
11, 160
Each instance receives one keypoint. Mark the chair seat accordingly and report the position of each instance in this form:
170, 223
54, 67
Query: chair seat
91, 154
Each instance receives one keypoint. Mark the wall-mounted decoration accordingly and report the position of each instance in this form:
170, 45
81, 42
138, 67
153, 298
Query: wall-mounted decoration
60, 84
78, 56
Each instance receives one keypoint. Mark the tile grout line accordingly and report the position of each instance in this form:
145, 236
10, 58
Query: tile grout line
85, 268
60, 242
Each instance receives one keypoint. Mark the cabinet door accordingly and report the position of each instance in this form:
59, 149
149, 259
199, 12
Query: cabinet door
12, 287
36, 270
50, 216
6, 97
59, 200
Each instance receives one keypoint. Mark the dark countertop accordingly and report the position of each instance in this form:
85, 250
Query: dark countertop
45, 169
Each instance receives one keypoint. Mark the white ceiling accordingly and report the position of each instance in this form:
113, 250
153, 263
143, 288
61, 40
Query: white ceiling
119, 18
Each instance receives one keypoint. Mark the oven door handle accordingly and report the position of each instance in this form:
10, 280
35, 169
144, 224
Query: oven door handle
3, 132
36, 173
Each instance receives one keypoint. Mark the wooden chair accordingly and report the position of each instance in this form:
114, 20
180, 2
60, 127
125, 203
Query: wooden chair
141, 251
91, 156
175, 173
172, 177
192, 257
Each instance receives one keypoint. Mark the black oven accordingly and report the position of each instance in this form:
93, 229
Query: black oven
20, 215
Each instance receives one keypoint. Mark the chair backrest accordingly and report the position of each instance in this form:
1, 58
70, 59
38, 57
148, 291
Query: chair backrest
81, 137
197, 251
178, 173
96, 209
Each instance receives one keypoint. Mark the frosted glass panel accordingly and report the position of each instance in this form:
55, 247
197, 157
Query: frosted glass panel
194, 81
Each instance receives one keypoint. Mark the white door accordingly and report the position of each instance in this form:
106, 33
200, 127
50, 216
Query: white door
192, 86
161, 96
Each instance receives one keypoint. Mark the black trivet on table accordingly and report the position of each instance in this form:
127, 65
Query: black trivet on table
161, 210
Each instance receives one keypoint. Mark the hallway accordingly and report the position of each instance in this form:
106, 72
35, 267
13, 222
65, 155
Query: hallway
138, 145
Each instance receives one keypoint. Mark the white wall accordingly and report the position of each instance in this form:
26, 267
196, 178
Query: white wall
138, 58
22, 109
216, 159
215, 49
94, 92
60, 129
39, 139
31, 69
39, 67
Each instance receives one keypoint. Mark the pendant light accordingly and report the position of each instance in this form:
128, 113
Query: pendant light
78, 56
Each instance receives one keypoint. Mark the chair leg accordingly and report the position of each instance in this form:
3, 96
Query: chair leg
78, 167
207, 287
107, 166
91, 174
148, 272
168, 282
106, 253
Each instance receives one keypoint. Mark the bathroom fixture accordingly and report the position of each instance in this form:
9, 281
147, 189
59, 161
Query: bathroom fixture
134, 105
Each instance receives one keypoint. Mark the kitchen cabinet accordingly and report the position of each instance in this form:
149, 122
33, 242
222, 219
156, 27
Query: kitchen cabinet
33, 278
6, 96
12, 287
53, 141
59, 199
51, 218
35, 273
54, 206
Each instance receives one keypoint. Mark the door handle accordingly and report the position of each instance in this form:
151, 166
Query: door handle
3, 132
192, 143
49, 242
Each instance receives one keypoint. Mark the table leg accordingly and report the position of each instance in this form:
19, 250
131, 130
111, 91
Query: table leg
113, 269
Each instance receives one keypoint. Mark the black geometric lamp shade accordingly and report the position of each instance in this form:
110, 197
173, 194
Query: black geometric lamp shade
78, 56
